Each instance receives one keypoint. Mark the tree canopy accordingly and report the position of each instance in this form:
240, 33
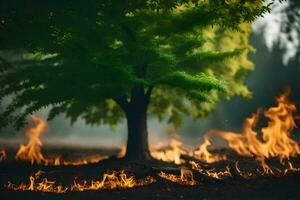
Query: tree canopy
89, 58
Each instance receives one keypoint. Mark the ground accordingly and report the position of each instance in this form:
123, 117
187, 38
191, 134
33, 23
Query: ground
268, 187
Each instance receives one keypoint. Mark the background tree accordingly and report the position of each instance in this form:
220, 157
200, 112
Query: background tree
290, 28
282, 28
105, 60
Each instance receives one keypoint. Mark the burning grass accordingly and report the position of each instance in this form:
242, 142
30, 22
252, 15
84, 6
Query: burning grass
108, 181
186, 177
32, 151
270, 155
276, 139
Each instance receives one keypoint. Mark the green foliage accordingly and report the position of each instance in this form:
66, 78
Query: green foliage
84, 58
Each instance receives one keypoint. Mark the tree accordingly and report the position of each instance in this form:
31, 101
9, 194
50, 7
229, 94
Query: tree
105, 60
290, 31
285, 29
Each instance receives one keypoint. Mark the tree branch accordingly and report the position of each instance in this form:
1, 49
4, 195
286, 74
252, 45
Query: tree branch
129, 32
123, 103
148, 93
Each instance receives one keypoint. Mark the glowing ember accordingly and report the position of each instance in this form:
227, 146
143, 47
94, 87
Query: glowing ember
276, 137
87, 160
291, 168
112, 181
211, 172
109, 181
2, 155
243, 174
185, 178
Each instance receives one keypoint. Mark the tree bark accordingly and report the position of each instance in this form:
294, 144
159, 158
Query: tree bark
136, 114
137, 139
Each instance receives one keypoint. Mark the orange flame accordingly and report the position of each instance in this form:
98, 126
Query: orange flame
171, 153
2, 155
32, 151
211, 172
276, 137
83, 161
203, 154
122, 152
109, 181
185, 178
275, 142
291, 168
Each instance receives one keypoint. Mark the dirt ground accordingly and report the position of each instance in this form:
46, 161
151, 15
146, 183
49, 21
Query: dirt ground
267, 187
279, 188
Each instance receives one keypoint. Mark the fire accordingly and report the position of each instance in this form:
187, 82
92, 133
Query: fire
108, 181
32, 151
273, 141
122, 152
217, 174
2, 155
203, 154
291, 168
170, 154
276, 137
185, 178
87, 160
112, 181
243, 174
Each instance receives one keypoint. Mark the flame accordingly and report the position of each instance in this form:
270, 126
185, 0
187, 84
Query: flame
291, 168
109, 181
186, 177
203, 154
276, 137
112, 181
32, 151
243, 174
122, 152
275, 142
217, 174
170, 154
86, 160
2, 155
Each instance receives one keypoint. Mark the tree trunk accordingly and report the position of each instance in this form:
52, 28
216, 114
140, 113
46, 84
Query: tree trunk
137, 139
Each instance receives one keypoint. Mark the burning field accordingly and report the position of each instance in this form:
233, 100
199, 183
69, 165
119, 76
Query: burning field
95, 64
260, 163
